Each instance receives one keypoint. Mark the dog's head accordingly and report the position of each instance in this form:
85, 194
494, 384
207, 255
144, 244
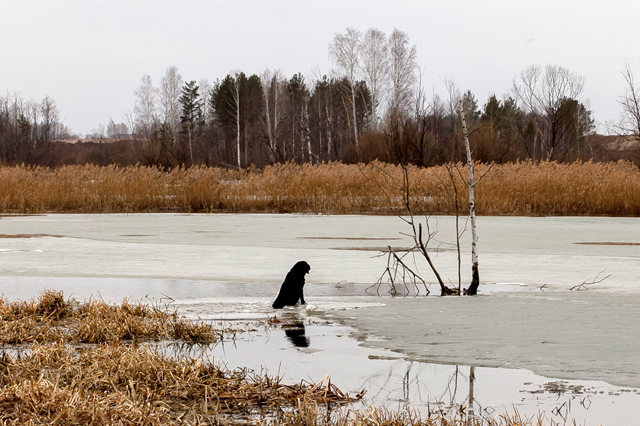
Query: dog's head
301, 268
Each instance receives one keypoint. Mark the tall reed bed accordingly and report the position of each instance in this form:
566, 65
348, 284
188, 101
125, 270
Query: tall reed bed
524, 188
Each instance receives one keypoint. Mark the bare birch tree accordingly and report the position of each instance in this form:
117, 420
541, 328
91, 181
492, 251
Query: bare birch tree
344, 53
33, 110
629, 123
169, 97
205, 96
420, 98
402, 75
475, 277
271, 82
144, 107
375, 68
544, 97
50, 120
236, 111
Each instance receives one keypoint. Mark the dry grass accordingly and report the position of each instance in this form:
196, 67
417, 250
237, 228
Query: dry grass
72, 363
309, 414
58, 384
508, 189
51, 318
48, 378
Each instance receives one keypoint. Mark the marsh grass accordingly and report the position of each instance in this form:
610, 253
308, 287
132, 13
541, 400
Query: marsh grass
308, 413
526, 188
133, 385
73, 363
51, 318
92, 363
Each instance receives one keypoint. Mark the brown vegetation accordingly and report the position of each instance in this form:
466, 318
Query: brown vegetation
525, 188
78, 363
48, 377
133, 385
51, 318
309, 414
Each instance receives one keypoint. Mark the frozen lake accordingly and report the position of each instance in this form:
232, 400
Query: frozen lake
524, 333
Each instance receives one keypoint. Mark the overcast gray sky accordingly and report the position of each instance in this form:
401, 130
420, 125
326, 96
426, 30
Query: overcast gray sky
89, 55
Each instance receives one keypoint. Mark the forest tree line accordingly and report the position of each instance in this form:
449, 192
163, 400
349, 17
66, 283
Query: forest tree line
28, 128
373, 104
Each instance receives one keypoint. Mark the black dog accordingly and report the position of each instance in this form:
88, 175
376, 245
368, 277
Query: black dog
291, 289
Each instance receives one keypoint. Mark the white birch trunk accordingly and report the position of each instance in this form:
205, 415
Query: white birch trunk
472, 205
355, 120
307, 130
328, 128
266, 85
276, 106
190, 135
236, 99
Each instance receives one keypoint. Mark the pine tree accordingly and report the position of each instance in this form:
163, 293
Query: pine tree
191, 117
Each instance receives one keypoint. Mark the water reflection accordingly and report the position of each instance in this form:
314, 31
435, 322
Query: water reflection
295, 330
392, 382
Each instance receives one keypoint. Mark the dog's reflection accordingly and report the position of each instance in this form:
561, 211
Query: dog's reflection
294, 329
295, 332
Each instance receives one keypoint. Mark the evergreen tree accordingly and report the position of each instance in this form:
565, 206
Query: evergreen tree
191, 117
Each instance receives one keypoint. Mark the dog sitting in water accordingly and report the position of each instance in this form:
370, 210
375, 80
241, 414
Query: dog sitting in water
291, 289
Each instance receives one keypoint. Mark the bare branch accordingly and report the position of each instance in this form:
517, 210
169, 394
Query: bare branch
596, 280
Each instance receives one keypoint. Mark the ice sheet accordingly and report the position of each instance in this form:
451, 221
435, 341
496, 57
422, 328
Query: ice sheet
393, 382
259, 248
232, 265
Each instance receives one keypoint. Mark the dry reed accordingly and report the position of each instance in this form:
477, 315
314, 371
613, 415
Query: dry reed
51, 318
72, 363
526, 188
58, 384
308, 413
105, 381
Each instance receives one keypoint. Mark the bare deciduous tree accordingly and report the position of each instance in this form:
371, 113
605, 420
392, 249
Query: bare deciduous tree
545, 96
475, 277
375, 68
144, 108
629, 123
50, 120
272, 85
402, 75
169, 97
344, 53
236, 111
205, 96
117, 130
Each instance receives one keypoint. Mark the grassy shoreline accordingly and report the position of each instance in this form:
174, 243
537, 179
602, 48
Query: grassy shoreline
525, 189
119, 378
74, 363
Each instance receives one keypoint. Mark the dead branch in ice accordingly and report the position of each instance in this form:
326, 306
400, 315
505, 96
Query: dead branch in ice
398, 272
596, 280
